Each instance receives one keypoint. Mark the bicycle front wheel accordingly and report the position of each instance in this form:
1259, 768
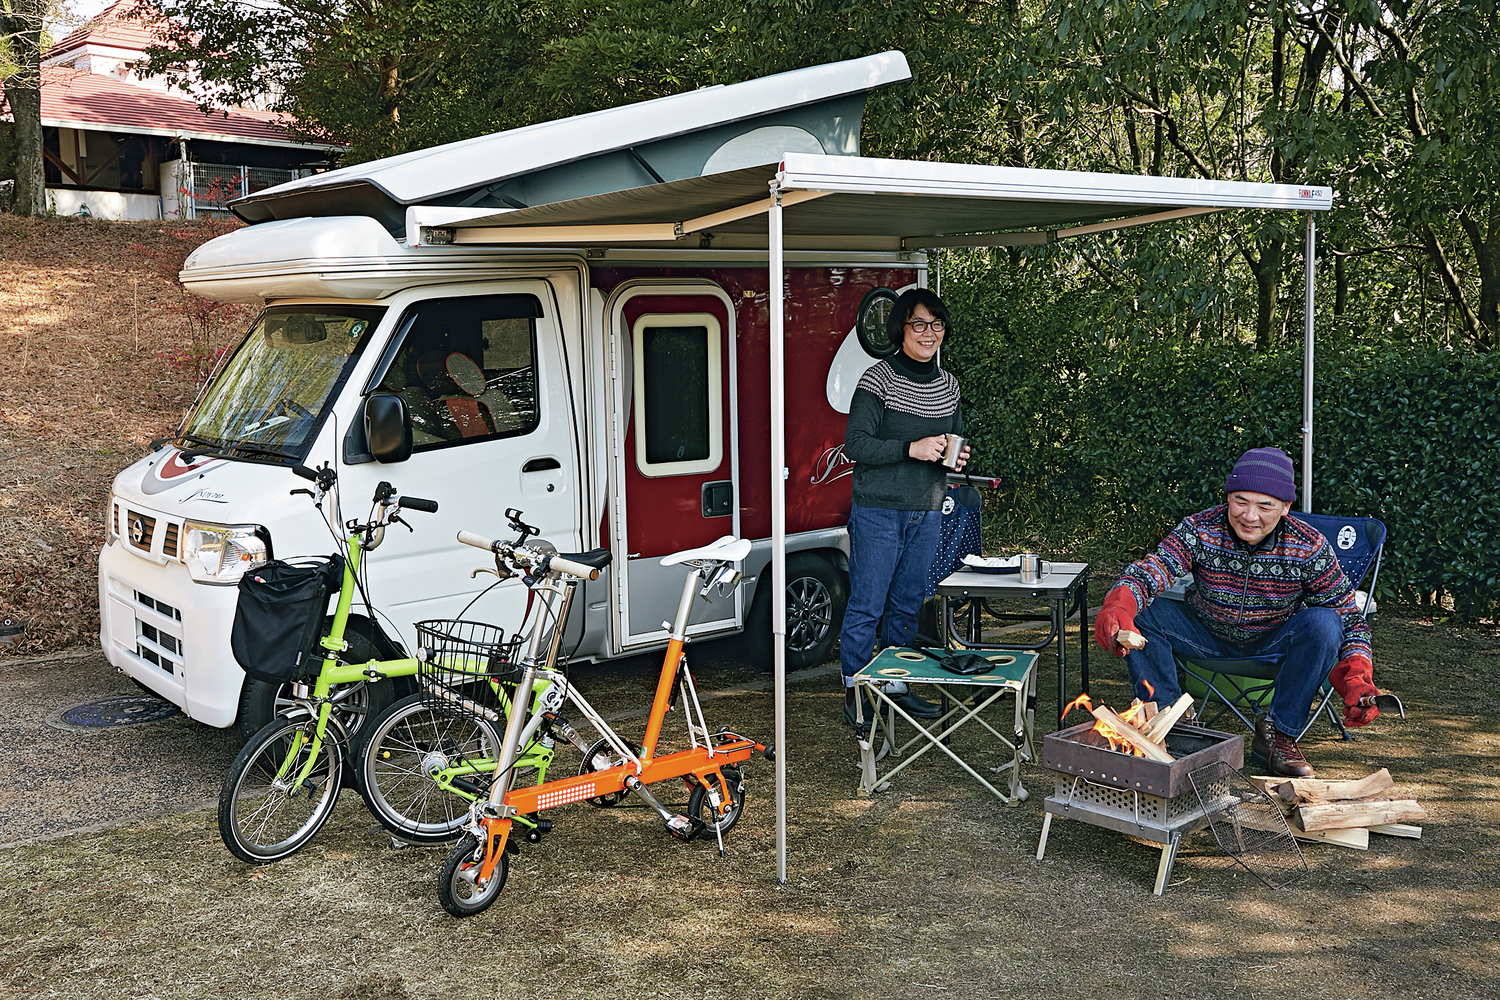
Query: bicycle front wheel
265, 812
408, 744
458, 889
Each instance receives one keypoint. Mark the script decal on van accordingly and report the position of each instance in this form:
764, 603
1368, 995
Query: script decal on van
832, 464
208, 495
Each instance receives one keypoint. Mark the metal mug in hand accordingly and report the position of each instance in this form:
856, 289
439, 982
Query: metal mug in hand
953, 451
1033, 567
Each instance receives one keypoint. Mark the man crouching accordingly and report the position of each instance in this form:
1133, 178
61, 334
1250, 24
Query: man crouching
1265, 584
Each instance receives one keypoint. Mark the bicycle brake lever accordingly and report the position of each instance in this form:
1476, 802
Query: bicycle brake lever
397, 519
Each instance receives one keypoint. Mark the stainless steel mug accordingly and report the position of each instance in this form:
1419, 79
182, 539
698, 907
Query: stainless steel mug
954, 449
1033, 567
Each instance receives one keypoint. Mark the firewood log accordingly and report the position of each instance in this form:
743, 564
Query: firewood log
1299, 790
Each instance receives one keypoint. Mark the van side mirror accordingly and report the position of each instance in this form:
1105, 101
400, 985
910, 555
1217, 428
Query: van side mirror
388, 427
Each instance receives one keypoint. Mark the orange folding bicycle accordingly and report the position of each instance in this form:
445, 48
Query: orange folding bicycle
612, 768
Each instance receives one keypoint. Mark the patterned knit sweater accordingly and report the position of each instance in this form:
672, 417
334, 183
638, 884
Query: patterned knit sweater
1243, 594
896, 402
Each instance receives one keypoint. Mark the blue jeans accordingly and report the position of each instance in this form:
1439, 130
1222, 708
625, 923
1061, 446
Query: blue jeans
1307, 647
890, 553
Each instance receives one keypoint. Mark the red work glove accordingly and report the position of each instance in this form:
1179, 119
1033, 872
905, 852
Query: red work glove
1118, 612
1353, 678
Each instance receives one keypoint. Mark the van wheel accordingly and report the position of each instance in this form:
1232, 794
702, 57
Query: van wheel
355, 704
816, 593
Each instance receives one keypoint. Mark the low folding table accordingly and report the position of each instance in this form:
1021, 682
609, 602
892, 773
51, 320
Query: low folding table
966, 698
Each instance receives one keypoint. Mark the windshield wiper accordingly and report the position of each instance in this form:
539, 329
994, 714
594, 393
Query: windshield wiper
256, 449
222, 449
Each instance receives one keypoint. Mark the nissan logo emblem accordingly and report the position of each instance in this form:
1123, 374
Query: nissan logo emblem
137, 530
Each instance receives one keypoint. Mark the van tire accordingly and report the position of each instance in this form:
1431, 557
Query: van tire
259, 699
816, 594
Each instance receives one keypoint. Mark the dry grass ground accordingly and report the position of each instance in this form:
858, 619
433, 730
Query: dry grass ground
930, 889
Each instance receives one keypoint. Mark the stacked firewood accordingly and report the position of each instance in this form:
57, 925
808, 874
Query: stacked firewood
1344, 812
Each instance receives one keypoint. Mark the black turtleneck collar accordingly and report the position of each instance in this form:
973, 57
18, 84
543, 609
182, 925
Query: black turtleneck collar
919, 370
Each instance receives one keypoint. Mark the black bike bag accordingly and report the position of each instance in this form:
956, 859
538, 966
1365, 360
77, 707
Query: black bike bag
279, 615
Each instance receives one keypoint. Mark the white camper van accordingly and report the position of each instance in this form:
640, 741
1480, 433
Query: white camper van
618, 397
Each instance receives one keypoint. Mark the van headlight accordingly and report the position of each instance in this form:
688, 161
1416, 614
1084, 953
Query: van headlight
222, 553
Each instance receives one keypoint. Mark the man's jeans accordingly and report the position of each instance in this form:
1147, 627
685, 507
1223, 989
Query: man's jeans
1306, 647
890, 552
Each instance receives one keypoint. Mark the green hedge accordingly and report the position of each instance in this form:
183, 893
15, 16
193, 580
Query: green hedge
1409, 435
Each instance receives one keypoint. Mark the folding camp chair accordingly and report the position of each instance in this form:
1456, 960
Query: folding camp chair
1245, 687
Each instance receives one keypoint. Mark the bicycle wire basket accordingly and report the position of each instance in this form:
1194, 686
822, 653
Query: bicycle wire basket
462, 665
1248, 825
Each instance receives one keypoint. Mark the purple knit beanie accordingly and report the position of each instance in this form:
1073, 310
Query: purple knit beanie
1264, 470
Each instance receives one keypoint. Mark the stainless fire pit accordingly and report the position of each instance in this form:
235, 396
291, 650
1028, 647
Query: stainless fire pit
1144, 798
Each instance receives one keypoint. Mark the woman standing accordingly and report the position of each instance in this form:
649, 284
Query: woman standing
903, 410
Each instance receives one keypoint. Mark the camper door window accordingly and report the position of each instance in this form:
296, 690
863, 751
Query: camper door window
467, 369
271, 397
679, 377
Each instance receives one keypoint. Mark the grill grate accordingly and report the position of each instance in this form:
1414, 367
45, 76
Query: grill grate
169, 541
1249, 827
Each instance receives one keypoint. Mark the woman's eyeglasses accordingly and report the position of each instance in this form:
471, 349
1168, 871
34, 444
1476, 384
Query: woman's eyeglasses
922, 326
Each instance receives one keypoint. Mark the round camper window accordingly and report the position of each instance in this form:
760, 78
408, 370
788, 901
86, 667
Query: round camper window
870, 324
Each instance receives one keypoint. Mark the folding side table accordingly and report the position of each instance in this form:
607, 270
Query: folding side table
1066, 588
967, 697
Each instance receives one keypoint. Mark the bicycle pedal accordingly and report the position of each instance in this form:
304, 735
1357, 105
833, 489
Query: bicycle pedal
397, 844
684, 827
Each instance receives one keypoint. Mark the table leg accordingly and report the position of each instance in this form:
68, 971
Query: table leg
1059, 619
1083, 634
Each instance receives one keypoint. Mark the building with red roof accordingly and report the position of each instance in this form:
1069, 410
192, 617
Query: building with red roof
119, 145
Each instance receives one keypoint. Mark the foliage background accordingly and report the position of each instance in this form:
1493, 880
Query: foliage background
1111, 380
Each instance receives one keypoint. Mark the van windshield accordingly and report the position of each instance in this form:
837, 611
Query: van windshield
271, 396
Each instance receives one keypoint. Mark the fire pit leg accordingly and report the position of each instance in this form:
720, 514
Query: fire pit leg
1168, 858
1041, 847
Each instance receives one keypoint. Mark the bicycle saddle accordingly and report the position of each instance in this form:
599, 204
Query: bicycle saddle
595, 559
726, 549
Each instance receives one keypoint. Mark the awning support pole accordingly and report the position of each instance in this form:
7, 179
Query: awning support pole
776, 266
1310, 261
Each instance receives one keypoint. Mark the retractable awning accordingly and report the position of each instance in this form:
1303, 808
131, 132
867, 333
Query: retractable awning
884, 204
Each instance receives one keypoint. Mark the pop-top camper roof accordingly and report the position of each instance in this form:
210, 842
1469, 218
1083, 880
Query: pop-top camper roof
707, 131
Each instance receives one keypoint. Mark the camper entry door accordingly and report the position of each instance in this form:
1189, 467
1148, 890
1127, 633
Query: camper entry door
674, 450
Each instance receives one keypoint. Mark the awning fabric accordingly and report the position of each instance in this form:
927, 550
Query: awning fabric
901, 204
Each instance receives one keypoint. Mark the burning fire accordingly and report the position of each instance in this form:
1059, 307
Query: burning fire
1137, 715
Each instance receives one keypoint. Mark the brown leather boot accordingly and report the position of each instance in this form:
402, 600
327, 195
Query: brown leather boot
1278, 751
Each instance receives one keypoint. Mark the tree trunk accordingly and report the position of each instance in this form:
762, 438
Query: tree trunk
23, 92
1267, 271
31, 187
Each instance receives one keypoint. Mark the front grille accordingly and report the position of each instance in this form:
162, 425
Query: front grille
161, 607
169, 541
139, 529
156, 642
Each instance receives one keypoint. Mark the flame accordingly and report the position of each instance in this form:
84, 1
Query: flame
1150, 691
1082, 701
1135, 715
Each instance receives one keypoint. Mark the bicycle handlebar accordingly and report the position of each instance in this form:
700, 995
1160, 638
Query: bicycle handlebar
305, 473
417, 503
529, 557
572, 568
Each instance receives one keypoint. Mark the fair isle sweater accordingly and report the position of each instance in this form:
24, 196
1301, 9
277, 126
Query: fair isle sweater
896, 402
1243, 594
